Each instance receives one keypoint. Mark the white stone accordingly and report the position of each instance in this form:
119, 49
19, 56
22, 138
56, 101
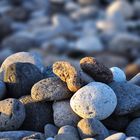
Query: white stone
95, 100
118, 74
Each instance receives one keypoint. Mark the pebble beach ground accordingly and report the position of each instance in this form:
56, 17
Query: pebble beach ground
70, 70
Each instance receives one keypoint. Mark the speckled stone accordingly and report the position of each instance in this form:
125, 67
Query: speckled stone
96, 70
50, 89
38, 114
128, 97
95, 100
133, 128
117, 136
92, 128
12, 114
68, 74
20, 77
63, 114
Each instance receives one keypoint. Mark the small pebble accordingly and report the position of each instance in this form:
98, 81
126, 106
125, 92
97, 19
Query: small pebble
135, 80
117, 136
65, 137
132, 138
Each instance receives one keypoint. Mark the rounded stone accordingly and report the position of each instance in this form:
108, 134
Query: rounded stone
12, 114
50, 138
89, 139
118, 74
38, 114
128, 97
50, 130
95, 100
132, 138
96, 70
67, 73
65, 137
133, 128
135, 80
92, 128
2, 90
20, 77
50, 89
117, 136
23, 57
67, 129
63, 114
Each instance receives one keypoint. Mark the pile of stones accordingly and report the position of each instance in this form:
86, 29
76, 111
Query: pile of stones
67, 101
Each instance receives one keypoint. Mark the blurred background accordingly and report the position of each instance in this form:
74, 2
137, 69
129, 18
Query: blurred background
71, 29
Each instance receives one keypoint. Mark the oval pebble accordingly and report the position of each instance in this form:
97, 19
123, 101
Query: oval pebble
132, 138
50, 89
12, 114
95, 100
118, 74
117, 136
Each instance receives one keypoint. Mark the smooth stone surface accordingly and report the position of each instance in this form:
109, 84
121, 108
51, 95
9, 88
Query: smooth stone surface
20, 77
38, 114
24, 57
89, 139
95, 100
63, 114
133, 128
50, 130
135, 80
92, 128
67, 129
50, 89
117, 136
65, 137
128, 97
12, 114
2, 90
118, 74
17, 135
132, 138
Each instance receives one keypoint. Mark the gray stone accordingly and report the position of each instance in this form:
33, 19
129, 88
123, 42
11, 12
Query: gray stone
117, 136
12, 114
50, 89
128, 97
135, 80
50, 130
38, 114
65, 137
63, 114
132, 138
92, 128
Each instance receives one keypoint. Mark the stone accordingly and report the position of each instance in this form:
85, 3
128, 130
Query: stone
12, 114
117, 136
2, 90
50, 138
63, 114
118, 123
38, 114
24, 57
96, 70
20, 77
50, 130
67, 73
133, 128
87, 2
132, 138
89, 44
135, 80
36, 136
19, 43
89, 139
128, 97
92, 128
118, 74
67, 129
95, 100
50, 89
65, 137
18, 135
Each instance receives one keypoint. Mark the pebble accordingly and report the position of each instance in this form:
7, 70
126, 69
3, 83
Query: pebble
118, 74
135, 80
88, 2
50, 130
12, 114
65, 137
132, 138
20, 77
89, 44
37, 136
89, 139
128, 97
50, 138
23, 57
117, 136
96, 70
95, 100
50, 89
133, 128
63, 114
67, 73
92, 128
67, 129
2, 90
38, 114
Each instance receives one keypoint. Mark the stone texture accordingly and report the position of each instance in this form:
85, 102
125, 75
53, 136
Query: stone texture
2, 90
117, 136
